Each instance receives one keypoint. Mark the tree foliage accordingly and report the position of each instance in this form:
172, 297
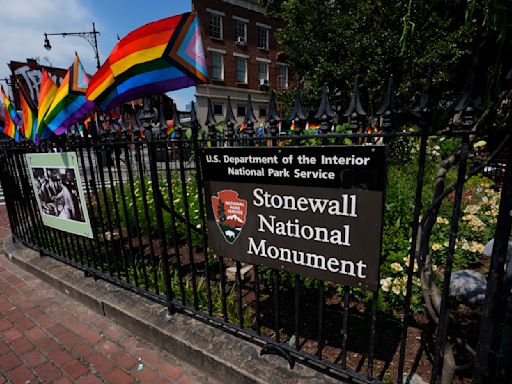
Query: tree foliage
332, 41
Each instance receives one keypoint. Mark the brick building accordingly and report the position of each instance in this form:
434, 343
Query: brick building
242, 56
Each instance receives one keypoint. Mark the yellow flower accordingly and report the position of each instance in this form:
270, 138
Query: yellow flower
442, 220
396, 289
472, 209
397, 267
481, 143
476, 247
436, 247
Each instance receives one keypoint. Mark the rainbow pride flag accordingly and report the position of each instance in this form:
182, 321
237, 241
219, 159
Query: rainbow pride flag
9, 109
29, 113
10, 128
47, 92
69, 105
170, 129
158, 57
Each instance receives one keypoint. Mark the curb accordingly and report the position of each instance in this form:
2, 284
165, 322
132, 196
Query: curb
227, 358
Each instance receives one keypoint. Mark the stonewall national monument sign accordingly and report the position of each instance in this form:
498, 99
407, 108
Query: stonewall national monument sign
315, 211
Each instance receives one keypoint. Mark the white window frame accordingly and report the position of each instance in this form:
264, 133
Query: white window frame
212, 13
280, 78
266, 28
245, 60
263, 64
221, 56
245, 23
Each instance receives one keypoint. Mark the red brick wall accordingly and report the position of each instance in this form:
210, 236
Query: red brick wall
229, 46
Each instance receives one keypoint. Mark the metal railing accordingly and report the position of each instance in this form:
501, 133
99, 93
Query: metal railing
145, 201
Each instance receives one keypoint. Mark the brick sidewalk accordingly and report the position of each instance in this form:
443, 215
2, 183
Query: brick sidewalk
47, 337
5, 228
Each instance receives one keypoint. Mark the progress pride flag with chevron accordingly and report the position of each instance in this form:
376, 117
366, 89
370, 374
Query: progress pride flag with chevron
158, 57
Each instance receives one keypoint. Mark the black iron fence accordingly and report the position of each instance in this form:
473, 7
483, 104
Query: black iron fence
145, 200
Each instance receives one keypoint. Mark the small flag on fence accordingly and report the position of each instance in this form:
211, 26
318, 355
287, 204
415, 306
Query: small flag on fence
261, 131
312, 126
170, 129
158, 57
242, 127
292, 125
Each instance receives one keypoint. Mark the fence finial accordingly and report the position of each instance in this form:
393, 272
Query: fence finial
325, 112
177, 122
297, 114
389, 106
355, 109
469, 102
210, 120
161, 115
424, 107
249, 118
230, 120
273, 117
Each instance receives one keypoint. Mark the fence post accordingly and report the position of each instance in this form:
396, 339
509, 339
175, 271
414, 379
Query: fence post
495, 289
158, 201
442, 327
212, 133
425, 115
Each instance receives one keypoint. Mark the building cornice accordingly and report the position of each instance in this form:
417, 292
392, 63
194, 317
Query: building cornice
250, 5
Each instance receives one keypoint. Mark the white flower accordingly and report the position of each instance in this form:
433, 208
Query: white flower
385, 284
396, 289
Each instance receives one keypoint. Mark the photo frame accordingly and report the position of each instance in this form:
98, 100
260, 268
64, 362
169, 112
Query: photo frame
59, 193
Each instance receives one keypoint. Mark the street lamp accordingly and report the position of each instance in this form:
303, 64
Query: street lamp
89, 36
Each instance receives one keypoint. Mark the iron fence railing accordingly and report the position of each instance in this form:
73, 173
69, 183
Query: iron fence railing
145, 201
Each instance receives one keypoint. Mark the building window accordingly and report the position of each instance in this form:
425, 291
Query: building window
241, 70
263, 73
263, 38
240, 32
215, 26
263, 112
240, 110
217, 109
216, 66
282, 76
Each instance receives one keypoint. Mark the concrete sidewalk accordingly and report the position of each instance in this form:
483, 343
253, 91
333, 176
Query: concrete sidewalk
47, 337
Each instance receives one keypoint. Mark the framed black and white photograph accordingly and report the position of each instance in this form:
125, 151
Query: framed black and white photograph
58, 189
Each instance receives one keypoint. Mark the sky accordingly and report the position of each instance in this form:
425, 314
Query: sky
24, 23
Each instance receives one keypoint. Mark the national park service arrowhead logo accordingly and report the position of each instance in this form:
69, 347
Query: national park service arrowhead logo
230, 213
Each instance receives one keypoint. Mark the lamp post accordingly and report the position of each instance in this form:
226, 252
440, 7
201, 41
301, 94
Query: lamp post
89, 36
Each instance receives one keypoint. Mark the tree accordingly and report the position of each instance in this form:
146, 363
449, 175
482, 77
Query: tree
332, 41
